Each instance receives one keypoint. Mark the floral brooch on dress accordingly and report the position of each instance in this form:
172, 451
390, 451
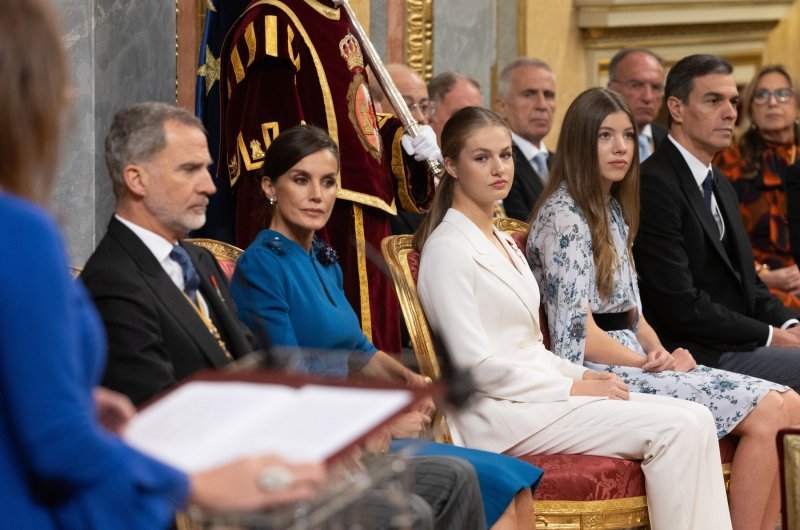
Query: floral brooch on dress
325, 253
276, 245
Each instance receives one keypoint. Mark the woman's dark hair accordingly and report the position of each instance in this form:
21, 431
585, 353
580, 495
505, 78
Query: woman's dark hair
289, 148
752, 145
458, 128
34, 95
576, 165
293, 145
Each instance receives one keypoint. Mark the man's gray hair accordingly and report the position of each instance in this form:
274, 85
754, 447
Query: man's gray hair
137, 135
504, 79
439, 86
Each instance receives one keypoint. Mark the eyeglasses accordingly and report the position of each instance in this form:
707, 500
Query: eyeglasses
640, 86
424, 107
762, 96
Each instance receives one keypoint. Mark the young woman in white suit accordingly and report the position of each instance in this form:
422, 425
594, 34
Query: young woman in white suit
482, 300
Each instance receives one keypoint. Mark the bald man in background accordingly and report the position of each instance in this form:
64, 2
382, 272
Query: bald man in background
450, 92
637, 74
413, 90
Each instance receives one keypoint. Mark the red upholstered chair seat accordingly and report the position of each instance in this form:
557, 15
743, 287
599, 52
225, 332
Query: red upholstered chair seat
586, 478
575, 477
576, 491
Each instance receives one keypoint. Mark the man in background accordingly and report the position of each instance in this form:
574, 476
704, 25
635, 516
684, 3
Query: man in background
449, 92
637, 74
526, 99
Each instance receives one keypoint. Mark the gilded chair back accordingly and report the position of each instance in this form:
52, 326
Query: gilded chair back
513, 227
226, 254
403, 261
615, 487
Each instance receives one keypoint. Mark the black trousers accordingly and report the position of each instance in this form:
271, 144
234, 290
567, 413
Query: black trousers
779, 365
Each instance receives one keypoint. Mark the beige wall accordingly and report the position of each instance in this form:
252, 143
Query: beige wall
783, 44
552, 35
361, 9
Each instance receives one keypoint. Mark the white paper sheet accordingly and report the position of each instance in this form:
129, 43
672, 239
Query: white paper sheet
205, 424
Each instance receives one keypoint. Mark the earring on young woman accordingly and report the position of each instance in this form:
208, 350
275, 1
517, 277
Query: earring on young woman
272, 200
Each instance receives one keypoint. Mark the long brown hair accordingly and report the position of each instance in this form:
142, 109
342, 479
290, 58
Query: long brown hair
576, 165
455, 133
752, 145
33, 96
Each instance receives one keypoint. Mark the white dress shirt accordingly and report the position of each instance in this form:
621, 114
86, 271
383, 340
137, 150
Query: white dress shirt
699, 172
161, 248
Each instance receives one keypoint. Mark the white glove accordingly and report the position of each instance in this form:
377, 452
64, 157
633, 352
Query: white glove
423, 146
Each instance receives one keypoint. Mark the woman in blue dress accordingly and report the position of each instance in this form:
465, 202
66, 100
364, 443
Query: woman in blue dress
62, 461
289, 283
579, 249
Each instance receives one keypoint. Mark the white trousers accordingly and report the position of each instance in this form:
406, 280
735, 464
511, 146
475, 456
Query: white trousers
676, 441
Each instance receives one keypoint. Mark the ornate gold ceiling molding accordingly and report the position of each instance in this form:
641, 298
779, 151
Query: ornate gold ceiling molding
615, 20
632, 13
736, 29
419, 37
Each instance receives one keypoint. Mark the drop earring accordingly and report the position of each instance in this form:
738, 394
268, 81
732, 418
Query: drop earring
272, 200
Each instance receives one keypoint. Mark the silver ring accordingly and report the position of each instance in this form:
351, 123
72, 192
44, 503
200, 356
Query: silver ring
275, 478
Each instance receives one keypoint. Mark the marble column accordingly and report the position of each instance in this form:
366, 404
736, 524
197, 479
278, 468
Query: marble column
464, 39
121, 53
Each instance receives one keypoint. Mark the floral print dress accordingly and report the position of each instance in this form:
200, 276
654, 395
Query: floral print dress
559, 251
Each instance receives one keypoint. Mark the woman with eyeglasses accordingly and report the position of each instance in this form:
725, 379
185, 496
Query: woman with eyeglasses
757, 167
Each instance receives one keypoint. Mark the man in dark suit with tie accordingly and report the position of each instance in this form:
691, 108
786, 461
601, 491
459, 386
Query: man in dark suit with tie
698, 285
526, 99
637, 74
166, 307
164, 303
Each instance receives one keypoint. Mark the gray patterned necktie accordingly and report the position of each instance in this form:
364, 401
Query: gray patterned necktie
540, 164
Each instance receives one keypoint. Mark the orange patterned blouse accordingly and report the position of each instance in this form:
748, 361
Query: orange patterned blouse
762, 204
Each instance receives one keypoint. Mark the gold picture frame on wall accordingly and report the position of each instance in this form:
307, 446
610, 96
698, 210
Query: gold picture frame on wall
419, 37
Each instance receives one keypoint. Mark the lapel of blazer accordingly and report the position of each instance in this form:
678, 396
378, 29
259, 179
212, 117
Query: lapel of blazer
153, 274
659, 133
695, 198
488, 258
531, 181
217, 297
728, 204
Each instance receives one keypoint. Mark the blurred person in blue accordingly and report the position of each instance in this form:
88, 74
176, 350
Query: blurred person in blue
61, 458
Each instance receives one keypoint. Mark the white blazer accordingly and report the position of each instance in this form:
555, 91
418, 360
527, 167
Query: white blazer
486, 313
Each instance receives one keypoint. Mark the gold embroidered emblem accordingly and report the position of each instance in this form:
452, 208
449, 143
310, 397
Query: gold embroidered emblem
351, 53
362, 115
256, 153
233, 168
210, 70
269, 131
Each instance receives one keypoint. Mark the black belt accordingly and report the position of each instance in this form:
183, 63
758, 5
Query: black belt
612, 321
